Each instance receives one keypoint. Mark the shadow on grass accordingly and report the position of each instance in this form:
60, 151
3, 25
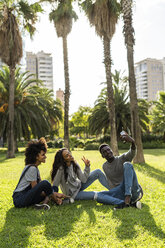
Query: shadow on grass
16, 230
133, 218
55, 223
59, 221
152, 172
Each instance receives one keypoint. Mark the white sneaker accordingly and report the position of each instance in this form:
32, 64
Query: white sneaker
42, 206
138, 205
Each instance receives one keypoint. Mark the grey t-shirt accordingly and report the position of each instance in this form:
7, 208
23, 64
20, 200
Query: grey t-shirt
114, 170
30, 175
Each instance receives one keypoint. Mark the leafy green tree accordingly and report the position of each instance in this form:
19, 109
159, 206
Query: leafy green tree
14, 13
128, 31
103, 15
144, 116
158, 115
36, 112
79, 122
63, 16
99, 119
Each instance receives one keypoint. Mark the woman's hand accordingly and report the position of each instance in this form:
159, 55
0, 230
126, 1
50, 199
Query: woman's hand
86, 161
58, 197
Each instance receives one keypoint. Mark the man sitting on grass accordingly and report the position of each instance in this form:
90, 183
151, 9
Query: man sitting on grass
124, 187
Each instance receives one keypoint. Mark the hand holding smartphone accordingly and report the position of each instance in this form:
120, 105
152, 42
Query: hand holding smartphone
122, 134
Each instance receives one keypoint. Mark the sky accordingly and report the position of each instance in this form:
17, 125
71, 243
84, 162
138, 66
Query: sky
85, 50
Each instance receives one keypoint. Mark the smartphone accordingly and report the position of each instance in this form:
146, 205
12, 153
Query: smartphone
122, 133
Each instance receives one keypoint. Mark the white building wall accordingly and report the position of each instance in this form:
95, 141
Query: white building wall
149, 78
41, 64
45, 69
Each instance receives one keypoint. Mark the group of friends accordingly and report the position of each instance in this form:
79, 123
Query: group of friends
119, 178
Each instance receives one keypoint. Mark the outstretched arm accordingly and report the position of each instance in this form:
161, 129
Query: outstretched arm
125, 137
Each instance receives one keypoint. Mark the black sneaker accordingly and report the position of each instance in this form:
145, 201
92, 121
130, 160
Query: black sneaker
121, 206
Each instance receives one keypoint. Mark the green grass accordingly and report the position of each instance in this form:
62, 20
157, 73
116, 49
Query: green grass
84, 223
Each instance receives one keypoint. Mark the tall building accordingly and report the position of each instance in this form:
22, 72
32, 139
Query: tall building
41, 64
60, 96
31, 63
150, 75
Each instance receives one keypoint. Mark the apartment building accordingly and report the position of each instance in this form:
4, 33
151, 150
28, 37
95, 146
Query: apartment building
150, 78
41, 64
60, 96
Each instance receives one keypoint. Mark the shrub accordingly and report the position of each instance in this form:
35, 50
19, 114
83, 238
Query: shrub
58, 143
151, 137
93, 146
153, 145
50, 144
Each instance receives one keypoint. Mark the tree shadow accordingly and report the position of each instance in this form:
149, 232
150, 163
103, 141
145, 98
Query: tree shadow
138, 217
152, 172
58, 222
16, 230
64, 217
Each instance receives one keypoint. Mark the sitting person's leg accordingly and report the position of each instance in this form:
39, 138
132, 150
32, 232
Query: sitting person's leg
132, 188
34, 195
114, 196
93, 176
85, 195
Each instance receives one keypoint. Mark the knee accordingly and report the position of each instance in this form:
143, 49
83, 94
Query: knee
45, 183
127, 166
98, 172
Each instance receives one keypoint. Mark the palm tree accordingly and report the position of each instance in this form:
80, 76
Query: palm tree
99, 119
158, 115
12, 13
36, 112
128, 31
103, 15
63, 17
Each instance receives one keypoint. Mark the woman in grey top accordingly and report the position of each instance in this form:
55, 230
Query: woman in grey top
67, 174
30, 190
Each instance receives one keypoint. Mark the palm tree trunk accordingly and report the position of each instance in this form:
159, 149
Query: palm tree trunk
111, 102
10, 153
135, 123
67, 93
129, 41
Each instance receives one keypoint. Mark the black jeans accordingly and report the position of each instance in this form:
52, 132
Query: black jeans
31, 196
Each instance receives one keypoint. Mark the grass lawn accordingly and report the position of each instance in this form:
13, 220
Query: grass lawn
84, 223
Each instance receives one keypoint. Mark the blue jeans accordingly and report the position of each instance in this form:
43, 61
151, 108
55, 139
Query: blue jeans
32, 196
89, 195
129, 186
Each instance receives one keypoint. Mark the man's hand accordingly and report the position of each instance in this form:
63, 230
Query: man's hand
125, 137
86, 161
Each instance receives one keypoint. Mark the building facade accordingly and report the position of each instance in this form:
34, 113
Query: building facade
41, 64
60, 96
150, 77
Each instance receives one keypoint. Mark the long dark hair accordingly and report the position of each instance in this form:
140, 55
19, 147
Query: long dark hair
59, 161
